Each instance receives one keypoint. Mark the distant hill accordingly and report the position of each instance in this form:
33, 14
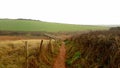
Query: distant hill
36, 25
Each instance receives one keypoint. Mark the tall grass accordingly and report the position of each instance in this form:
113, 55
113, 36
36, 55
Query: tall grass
40, 54
99, 49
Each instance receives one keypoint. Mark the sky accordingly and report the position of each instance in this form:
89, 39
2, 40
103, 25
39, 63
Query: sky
86, 12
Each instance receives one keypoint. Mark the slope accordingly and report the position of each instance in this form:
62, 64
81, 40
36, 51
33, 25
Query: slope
36, 25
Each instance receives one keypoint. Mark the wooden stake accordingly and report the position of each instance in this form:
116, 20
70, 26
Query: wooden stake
40, 51
40, 46
26, 54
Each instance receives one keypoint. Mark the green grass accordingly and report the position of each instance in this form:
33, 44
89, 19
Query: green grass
35, 25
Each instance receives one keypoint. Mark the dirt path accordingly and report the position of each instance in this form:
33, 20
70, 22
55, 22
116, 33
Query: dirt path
60, 59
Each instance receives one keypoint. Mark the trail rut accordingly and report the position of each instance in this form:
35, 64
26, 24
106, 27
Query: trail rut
60, 59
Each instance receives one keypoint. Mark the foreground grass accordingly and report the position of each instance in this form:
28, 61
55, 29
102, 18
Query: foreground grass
100, 49
12, 54
34, 25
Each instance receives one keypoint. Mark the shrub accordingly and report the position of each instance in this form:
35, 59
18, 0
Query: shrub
99, 49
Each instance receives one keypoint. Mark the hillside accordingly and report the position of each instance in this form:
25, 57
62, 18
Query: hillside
35, 25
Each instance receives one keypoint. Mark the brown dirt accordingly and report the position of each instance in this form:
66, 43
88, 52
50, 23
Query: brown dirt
19, 38
11, 38
60, 59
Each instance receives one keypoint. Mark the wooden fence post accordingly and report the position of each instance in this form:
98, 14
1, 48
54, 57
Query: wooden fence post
26, 54
40, 51
40, 47
50, 47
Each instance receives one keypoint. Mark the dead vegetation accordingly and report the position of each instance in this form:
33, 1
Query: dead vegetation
40, 54
99, 49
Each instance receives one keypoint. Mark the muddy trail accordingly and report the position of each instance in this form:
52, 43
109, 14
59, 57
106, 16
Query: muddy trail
60, 59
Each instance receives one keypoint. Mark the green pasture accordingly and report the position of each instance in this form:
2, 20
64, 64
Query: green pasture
36, 25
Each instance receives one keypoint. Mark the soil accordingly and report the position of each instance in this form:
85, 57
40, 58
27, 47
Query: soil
60, 59
19, 37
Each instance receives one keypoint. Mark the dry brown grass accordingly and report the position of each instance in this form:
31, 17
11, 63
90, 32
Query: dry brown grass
12, 53
100, 49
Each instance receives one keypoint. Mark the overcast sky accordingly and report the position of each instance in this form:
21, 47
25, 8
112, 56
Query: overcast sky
90, 12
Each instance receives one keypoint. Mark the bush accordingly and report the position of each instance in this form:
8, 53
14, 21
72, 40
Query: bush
99, 49
115, 28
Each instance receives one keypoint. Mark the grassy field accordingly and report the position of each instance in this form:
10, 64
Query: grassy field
35, 25
13, 53
98, 49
